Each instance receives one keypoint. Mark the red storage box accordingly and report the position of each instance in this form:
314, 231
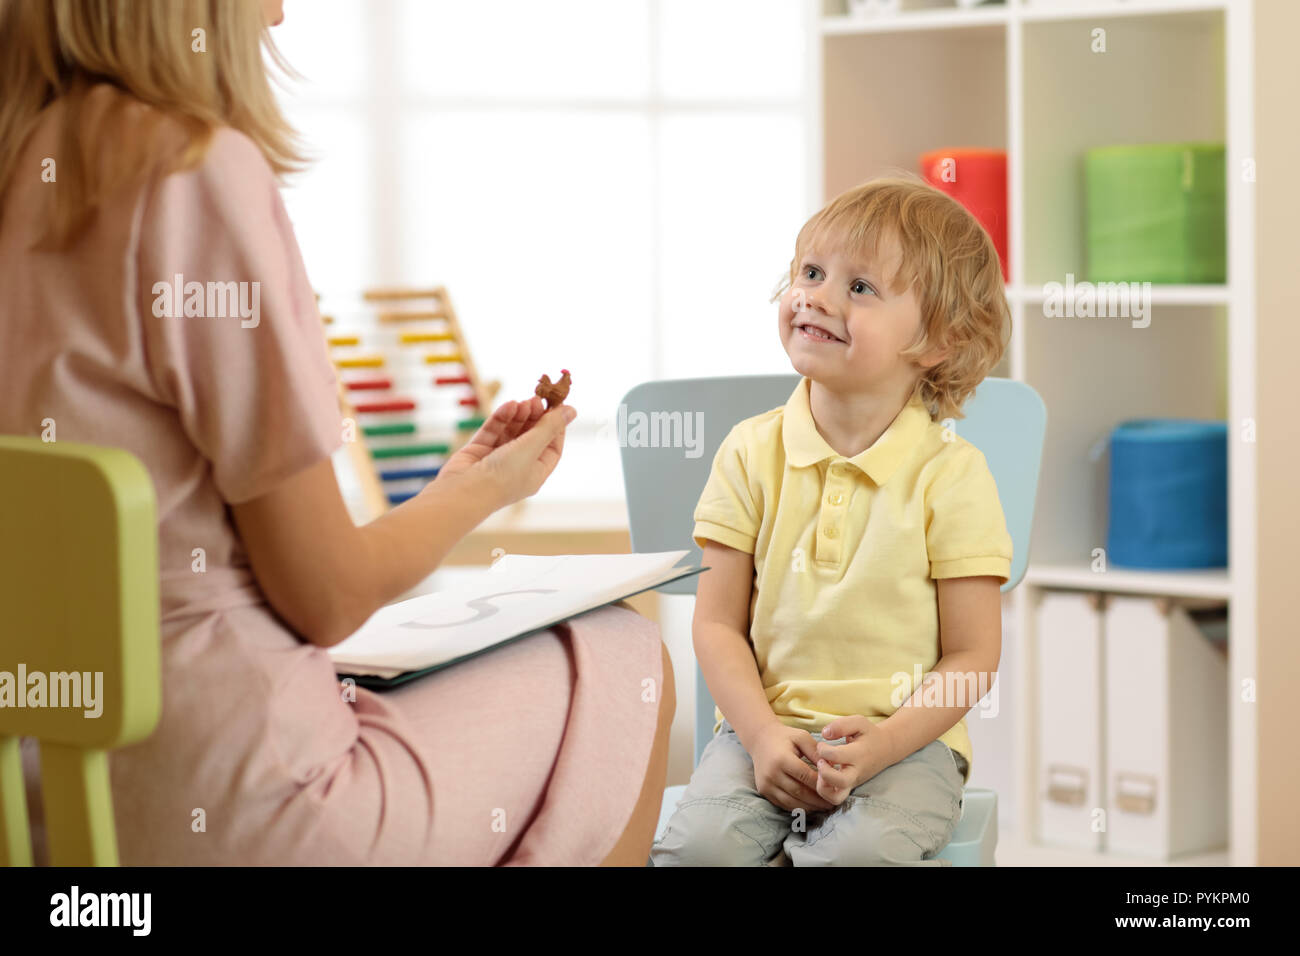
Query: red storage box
976, 178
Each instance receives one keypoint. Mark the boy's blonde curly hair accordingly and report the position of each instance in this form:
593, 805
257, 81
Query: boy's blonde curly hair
947, 259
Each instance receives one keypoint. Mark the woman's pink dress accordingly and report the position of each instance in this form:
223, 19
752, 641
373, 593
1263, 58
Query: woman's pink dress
532, 754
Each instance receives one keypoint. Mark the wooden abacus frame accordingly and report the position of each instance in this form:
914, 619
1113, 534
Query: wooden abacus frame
412, 305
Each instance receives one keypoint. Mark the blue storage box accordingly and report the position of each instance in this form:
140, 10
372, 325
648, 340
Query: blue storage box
1168, 494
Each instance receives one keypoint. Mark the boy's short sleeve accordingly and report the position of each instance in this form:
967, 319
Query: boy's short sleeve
726, 512
247, 370
965, 529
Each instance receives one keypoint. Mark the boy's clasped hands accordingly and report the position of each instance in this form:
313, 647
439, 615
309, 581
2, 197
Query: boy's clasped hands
793, 770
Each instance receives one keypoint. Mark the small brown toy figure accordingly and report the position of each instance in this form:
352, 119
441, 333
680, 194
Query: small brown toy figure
553, 393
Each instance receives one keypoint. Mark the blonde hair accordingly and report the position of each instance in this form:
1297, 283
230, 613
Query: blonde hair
62, 49
947, 258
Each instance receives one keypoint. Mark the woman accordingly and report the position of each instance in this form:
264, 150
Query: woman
139, 142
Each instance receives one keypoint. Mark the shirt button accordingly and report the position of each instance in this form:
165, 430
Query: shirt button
831, 532
835, 499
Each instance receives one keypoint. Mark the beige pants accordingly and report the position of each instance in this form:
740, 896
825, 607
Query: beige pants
903, 816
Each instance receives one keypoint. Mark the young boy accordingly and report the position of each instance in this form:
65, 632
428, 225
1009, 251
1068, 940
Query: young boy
854, 543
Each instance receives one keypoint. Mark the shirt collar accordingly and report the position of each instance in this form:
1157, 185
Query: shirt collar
805, 446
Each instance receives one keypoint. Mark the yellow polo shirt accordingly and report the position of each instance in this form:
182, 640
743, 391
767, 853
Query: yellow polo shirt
844, 613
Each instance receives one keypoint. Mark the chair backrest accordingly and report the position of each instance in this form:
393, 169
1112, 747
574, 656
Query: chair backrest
79, 636
1004, 419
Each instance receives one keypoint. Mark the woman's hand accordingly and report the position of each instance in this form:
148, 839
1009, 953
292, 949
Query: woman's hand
507, 422
514, 451
780, 772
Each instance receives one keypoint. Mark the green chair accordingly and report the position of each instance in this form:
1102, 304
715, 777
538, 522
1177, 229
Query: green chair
1006, 420
78, 595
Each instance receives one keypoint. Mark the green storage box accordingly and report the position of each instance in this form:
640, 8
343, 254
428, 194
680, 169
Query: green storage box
1155, 213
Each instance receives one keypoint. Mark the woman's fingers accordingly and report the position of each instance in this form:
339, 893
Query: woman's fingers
558, 443
495, 430
514, 425
533, 410
526, 416
548, 456
509, 420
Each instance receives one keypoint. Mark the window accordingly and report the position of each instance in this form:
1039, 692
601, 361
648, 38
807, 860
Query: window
608, 186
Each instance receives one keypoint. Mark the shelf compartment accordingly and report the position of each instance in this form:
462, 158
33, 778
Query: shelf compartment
1094, 373
1160, 80
955, 96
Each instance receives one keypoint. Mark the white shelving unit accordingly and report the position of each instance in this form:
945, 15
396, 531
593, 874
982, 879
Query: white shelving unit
1022, 76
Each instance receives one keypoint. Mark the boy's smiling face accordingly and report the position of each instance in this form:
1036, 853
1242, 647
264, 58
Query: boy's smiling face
868, 322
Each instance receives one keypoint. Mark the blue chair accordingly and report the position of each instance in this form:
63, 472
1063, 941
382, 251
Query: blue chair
1004, 419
